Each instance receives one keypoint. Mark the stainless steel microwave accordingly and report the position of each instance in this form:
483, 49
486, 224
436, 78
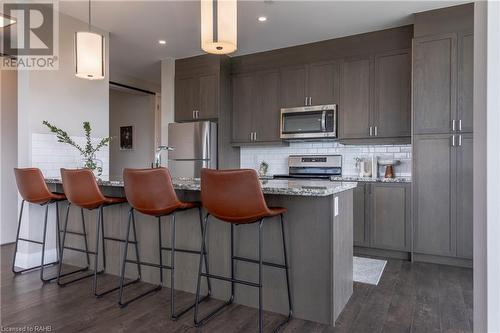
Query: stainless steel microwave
309, 122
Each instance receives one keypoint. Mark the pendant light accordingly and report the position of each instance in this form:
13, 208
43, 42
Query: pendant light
218, 26
89, 54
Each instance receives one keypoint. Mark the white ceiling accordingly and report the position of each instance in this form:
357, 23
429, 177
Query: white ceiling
136, 26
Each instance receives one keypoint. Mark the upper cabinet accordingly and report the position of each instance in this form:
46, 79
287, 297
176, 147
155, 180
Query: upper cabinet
310, 84
198, 88
434, 83
368, 76
375, 96
355, 106
256, 106
293, 91
392, 95
465, 81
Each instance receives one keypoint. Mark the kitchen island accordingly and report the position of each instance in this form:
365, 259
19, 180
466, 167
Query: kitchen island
318, 233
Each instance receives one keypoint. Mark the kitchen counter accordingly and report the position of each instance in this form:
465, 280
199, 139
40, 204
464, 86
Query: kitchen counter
372, 180
269, 186
318, 233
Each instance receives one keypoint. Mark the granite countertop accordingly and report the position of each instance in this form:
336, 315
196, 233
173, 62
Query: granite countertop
370, 179
308, 188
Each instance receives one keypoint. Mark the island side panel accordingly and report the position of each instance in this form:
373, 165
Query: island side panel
342, 252
307, 232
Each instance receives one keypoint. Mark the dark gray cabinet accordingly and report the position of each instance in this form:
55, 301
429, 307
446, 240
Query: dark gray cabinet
323, 83
434, 83
390, 226
310, 84
355, 102
443, 194
360, 220
465, 81
375, 97
382, 216
243, 107
464, 205
199, 83
392, 109
434, 191
256, 107
293, 86
196, 97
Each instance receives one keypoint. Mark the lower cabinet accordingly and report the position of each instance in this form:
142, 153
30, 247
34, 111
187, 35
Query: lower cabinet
390, 226
442, 194
382, 217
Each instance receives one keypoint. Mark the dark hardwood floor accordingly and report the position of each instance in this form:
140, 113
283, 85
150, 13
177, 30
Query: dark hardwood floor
411, 297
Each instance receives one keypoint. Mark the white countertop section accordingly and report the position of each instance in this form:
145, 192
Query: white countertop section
307, 188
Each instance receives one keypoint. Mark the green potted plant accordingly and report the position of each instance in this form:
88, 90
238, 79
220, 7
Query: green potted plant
87, 152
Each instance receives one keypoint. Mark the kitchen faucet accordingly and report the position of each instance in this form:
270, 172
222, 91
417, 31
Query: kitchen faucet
157, 162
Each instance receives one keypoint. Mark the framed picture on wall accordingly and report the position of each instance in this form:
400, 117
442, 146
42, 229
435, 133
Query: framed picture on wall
126, 137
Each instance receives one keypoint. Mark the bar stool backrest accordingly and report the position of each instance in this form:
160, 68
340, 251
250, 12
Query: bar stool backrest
31, 185
149, 189
232, 195
80, 187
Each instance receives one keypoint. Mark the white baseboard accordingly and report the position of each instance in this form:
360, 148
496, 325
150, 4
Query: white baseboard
26, 260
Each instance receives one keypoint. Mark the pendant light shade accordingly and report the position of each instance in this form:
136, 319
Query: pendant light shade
89, 53
218, 26
89, 50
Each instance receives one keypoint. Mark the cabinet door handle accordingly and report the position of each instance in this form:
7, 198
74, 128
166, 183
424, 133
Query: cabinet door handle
453, 125
371, 130
194, 114
197, 114
310, 101
453, 140
460, 140
254, 136
376, 130
305, 102
460, 125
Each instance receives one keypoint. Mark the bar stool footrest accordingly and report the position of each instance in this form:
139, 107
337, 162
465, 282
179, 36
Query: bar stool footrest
147, 264
212, 314
115, 288
177, 315
64, 284
152, 290
35, 268
223, 278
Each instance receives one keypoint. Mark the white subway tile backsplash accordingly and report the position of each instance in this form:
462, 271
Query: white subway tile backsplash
50, 155
277, 157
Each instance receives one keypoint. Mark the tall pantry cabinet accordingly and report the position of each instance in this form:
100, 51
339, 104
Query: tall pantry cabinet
442, 135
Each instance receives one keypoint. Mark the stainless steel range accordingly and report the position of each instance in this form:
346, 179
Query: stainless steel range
313, 167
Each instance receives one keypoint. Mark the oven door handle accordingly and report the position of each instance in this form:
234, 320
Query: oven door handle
323, 121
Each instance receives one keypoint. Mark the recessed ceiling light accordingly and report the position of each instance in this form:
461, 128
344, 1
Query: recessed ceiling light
262, 19
162, 42
6, 20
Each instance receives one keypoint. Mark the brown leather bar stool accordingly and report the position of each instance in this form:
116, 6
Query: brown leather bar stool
33, 189
82, 190
235, 196
151, 192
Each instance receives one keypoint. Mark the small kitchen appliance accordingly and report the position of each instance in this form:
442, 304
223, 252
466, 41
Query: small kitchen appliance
313, 167
309, 122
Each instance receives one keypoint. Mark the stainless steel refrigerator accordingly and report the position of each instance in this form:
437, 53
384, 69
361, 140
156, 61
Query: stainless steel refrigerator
195, 147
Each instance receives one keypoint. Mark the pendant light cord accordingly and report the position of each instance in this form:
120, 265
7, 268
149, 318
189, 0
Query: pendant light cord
90, 29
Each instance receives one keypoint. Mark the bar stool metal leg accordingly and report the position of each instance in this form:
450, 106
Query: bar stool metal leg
200, 274
61, 255
42, 265
172, 269
261, 312
131, 221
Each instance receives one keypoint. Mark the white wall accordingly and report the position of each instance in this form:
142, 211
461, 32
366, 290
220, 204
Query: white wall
8, 155
66, 101
167, 99
486, 162
131, 109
